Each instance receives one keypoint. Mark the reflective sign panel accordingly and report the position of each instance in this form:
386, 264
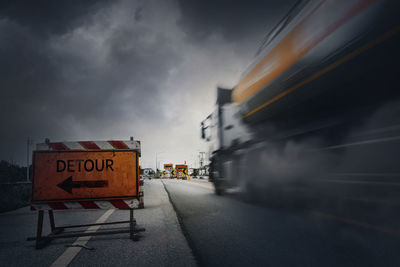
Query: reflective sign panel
84, 175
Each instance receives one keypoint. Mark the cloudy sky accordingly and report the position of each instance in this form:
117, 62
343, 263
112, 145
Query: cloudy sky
101, 70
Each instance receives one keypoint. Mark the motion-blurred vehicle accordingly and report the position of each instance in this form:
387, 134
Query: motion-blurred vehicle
317, 108
193, 172
148, 173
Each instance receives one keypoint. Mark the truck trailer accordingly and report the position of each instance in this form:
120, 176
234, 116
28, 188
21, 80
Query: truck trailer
318, 108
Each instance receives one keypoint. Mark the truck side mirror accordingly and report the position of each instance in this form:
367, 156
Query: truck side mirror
203, 131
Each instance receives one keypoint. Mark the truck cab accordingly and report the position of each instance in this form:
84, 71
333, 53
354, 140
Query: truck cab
225, 132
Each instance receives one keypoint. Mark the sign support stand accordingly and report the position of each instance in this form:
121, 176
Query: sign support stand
58, 232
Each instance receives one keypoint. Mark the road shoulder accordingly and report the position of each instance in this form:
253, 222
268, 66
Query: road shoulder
163, 243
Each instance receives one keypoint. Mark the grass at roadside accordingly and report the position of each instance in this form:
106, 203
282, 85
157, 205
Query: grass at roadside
14, 196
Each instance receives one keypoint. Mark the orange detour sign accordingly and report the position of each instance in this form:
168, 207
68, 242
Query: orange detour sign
84, 175
168, 166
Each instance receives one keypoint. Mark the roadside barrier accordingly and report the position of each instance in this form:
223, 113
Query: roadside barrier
86, 175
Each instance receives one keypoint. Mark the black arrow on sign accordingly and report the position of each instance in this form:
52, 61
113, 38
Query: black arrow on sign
68, 184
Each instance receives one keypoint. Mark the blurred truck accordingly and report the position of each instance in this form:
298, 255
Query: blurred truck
148, 173
317, 108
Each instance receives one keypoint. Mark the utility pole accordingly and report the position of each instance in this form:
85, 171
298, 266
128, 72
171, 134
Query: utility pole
28, 144
157, 161
202, 155
156, 170
201, 159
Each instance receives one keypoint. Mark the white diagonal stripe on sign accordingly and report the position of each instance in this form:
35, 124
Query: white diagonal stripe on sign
74, 145
132, 203
103, 145
131, 144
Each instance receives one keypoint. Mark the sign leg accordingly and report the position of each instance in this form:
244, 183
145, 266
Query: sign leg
51, 218
132, 223
39, 229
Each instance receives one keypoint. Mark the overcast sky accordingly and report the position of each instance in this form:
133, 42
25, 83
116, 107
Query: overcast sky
101, 70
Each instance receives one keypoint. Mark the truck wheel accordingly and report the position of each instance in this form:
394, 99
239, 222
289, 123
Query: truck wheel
219, 191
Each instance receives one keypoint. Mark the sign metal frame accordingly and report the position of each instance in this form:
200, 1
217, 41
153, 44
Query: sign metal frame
59, 231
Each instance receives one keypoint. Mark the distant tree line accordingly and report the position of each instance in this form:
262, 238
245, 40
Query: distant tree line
10, 173
13, 195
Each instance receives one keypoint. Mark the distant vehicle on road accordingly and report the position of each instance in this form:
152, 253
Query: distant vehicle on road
148, 173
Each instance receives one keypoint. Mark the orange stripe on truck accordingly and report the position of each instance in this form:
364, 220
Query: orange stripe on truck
291, 49
337, 63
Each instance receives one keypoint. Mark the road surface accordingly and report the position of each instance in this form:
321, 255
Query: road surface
163, 243
188, 225
227, 231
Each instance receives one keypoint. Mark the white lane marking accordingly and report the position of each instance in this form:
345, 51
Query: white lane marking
367, 142
365, 174
355, 222
104, 204
358, 182
200, 185
71, 252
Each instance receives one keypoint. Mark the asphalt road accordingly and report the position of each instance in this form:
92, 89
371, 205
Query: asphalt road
228, 231
201, 229
163, 243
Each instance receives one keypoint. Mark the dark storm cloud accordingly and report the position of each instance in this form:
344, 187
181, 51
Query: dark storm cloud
235, 20
47, 17
84, 77
93, 70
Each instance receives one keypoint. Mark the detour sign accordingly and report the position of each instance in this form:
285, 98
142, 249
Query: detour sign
84, 175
